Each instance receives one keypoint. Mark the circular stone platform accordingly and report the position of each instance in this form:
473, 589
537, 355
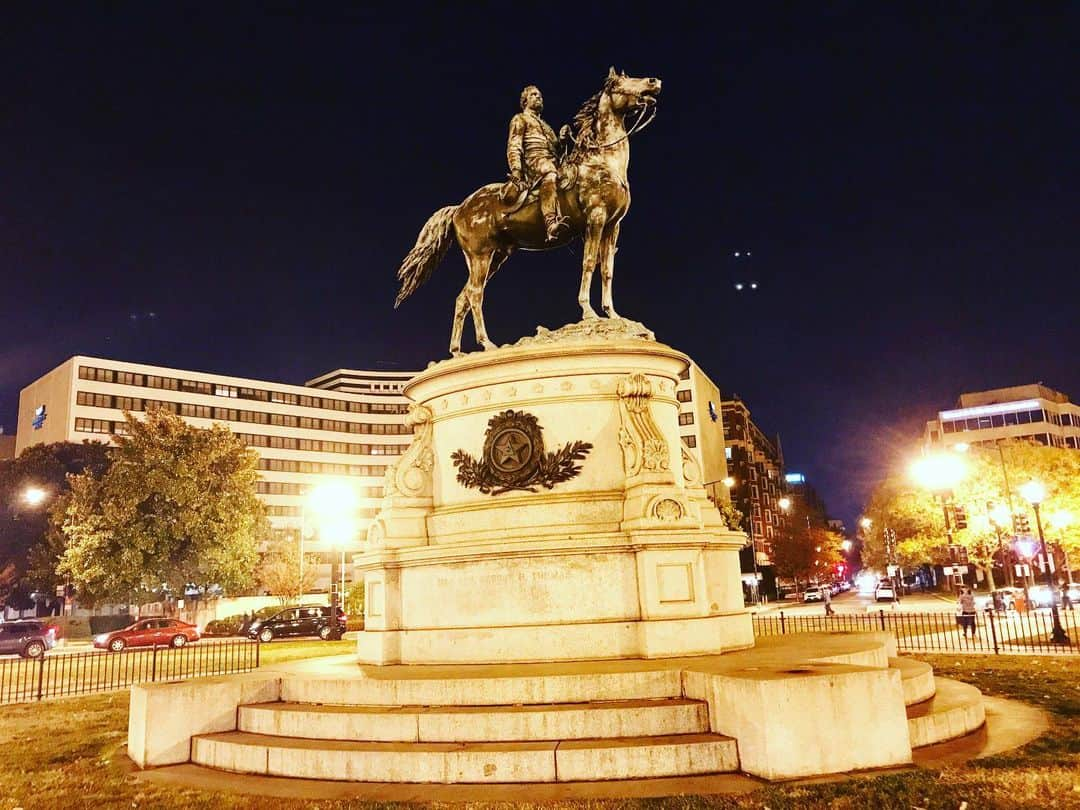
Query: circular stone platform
564, 722
536, 731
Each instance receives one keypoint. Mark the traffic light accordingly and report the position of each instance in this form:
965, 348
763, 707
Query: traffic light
963, 556
1021, 524
960, 520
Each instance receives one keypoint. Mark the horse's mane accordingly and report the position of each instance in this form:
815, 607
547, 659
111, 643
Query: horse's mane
585, 133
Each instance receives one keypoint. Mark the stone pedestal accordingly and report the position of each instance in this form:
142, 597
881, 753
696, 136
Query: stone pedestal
548, 510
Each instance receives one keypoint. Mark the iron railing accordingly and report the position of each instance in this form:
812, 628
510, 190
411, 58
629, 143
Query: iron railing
59, 674
987, 632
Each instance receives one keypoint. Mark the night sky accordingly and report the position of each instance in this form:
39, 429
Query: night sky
231, 188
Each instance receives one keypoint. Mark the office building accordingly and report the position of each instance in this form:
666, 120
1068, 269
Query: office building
344, 424
1033, 412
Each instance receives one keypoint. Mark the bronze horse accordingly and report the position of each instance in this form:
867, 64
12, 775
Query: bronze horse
489, 230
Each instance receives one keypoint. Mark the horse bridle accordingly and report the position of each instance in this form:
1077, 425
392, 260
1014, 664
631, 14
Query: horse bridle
638, 125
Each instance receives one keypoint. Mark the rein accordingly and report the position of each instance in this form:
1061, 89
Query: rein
637, 127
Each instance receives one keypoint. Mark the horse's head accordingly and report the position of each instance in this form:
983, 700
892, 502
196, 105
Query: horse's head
628, 93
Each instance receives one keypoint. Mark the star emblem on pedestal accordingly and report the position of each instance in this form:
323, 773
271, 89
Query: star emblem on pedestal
514, 457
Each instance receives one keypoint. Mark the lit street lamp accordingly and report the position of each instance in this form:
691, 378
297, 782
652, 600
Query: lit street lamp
1035, 494
334, 506
34, 495
939, 473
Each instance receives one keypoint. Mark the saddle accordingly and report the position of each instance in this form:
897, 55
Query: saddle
517, 197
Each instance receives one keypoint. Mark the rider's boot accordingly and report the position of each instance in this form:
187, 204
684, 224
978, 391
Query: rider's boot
549, 204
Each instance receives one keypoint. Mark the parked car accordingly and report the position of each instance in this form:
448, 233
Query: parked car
1042, 596
813, 594
28, 638
149, 633
985, 601
885, 590
305, 620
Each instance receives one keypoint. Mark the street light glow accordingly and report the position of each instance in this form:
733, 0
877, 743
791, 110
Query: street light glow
999, 515
333, 504
784, 503
729, 482
1034, 492
845, 545
939, 472
34, 495
866, 523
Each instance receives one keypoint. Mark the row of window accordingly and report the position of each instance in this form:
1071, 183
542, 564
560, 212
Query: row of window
319, 467
237, 392
684, 395
117, 428
291, 488
321, 445
999, 420
686, 418
137, 404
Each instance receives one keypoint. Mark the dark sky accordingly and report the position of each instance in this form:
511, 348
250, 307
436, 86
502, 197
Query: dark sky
907, 185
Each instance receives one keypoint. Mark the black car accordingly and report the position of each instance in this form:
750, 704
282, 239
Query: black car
305, 620
30, 639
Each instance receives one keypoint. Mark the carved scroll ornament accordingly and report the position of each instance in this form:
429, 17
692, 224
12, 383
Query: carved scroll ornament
643, 445
411, 475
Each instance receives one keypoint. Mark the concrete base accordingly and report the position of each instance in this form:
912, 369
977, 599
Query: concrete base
1009, 725
333, 719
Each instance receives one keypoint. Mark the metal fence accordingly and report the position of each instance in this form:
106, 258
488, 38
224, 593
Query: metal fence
56, 674
986, 632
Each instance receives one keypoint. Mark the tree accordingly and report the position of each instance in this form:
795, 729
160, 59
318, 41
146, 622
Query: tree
177, 506
28, 555
802, 550
279, 570
916, 515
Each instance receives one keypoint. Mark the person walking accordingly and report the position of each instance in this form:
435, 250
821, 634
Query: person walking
966, 612
826, 597
1066, 600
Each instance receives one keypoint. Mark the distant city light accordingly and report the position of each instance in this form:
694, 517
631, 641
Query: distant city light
795, 478
738, 285
939, 472
753, 285
784, 503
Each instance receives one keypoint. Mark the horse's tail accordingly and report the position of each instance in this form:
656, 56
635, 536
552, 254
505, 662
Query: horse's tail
430, 248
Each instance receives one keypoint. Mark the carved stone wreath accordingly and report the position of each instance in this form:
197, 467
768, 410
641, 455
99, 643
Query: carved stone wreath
514, 458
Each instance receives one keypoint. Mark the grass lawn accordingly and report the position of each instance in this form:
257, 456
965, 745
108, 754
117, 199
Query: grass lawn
68, 754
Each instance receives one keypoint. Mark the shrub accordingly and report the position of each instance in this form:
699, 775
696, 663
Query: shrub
106, 624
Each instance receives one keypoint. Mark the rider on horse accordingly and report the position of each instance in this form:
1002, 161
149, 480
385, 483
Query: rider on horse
532, 151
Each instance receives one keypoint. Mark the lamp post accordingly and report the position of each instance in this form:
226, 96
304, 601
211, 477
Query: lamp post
939, 473
1035, 494
334, 505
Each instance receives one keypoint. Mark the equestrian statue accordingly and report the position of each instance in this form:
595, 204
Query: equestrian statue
559, 189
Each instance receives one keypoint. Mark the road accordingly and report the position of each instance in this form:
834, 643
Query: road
852, 602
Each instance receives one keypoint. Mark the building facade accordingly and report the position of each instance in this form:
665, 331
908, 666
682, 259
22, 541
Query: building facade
7, 446
756, 465
345, 424
702, 429
1033, 412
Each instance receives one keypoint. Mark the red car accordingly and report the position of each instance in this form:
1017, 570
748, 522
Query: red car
147, 633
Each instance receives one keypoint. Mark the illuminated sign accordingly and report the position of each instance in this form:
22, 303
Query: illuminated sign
795, 478
987, 410
39, 417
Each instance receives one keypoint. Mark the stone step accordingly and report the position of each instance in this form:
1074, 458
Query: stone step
563, 721
955, 710
450, 686
428, 762
917, 678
